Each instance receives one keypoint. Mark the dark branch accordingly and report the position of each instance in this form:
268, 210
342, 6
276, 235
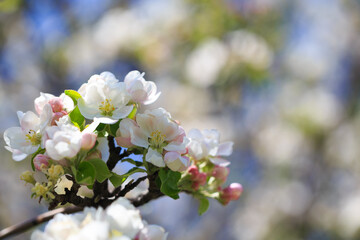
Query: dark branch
22, 227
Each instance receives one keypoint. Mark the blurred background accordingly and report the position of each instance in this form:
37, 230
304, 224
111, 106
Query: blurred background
279, 78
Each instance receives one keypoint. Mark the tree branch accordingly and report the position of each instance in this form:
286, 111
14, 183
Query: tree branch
22, 227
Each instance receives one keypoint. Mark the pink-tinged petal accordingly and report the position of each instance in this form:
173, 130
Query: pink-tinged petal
88, 140
124, 142
225, 149
16, 154
125, 126
155, 158
40, 160
219, 161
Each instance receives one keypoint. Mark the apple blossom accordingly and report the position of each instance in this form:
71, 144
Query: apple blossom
198, 178
27, 138
206, 144
141, 91
104, 98
64, 141
157, 132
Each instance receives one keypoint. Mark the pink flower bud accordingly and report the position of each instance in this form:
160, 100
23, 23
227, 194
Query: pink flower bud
193, 171
220, 173
39, 160
57, 116
88, 140
56, 104
231, 193
197, 177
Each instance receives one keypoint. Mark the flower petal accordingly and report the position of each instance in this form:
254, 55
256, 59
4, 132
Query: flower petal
219, 161
155, 158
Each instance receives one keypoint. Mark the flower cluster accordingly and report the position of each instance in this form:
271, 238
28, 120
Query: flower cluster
120, 221
75, 141
209, 170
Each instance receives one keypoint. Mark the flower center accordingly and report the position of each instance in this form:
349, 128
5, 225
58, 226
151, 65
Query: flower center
157, 139
107, 108
33, 137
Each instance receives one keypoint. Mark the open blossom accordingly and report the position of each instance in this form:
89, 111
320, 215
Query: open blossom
206, 144
64, 141
104, 98
120, 221
157, 132
27, 138
141, 91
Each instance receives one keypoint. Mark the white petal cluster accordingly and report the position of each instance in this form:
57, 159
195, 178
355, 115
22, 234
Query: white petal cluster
120, 221
64, 140
104, 98
156, 131
206, 144
141, 91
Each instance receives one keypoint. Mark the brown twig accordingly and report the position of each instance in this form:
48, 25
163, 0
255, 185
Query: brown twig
22, 227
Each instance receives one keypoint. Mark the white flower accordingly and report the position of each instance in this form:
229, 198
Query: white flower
104, 98
152, 232
120, 221
141, 91
27, 138
206, 144
157, 132
124, 217
64, 140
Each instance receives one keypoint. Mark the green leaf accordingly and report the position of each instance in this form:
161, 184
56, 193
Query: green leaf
39, 151
85, 173
77, 118
129, 160
203, 205
101, 170
73, 94
101, 127
117, 179
113, 128
169, 180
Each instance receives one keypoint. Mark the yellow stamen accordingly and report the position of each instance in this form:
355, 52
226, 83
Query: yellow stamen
33, 137
107, 108
157, 139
